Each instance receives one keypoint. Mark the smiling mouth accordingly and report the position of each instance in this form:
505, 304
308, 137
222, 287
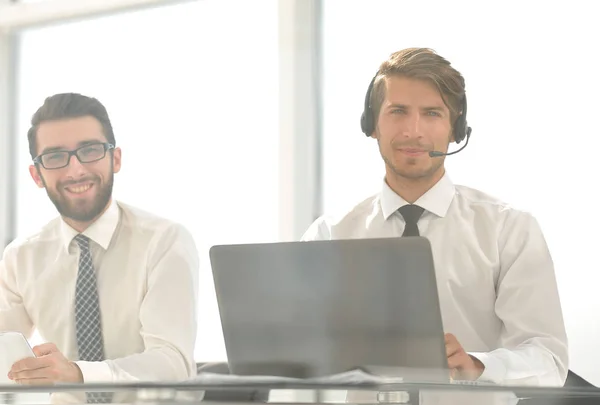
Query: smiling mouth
412, 151
79, 189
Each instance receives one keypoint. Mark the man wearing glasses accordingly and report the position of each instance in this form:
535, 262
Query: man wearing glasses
112, 288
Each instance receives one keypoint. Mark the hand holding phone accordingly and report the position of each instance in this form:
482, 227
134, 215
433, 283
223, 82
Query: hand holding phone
13, 347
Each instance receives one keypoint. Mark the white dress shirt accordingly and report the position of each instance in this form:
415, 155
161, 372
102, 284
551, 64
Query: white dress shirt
496, 280
147, 274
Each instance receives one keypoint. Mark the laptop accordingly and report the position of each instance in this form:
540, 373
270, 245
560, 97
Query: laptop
319, 308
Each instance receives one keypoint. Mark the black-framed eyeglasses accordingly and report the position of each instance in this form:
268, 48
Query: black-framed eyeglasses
85, 154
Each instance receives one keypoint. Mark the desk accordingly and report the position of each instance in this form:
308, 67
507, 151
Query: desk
230, 394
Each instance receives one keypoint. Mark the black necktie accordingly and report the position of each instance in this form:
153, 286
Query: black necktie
411, 214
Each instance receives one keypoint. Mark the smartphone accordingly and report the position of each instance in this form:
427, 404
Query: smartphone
13, 347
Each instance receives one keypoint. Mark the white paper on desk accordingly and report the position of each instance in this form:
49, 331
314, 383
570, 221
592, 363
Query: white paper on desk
351, 377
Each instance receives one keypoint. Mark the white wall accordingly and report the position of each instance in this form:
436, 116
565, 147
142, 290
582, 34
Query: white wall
531, 70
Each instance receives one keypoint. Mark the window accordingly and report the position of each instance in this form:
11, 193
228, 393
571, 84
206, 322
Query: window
192, 92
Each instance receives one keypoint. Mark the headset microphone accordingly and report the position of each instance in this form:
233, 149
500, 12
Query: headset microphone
435, 153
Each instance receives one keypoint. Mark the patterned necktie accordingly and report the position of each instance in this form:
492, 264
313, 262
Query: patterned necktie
88, 327
411, 214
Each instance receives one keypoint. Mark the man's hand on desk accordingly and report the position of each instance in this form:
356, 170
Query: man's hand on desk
49, 367
463, 366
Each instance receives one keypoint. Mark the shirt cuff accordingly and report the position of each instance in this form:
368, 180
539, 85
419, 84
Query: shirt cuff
494, 370
95, 371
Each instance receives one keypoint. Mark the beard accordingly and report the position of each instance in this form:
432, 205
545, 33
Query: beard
81, 210
411, 168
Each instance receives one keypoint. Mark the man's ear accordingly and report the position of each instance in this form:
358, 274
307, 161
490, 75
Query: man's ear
375, 134
36, 176
116, 157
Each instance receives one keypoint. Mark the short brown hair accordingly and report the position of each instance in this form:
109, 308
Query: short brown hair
423, 64
65, 106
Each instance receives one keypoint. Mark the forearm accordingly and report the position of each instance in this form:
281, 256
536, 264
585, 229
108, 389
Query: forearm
159, 364
528, 364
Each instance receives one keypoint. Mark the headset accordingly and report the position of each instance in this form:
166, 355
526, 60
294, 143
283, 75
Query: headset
461, 129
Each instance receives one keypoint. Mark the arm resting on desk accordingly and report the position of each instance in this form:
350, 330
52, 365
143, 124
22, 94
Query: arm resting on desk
533, 342
168, 317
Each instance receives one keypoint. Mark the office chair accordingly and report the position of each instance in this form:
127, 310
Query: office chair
574, 380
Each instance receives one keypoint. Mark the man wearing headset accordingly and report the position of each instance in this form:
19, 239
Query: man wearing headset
497, 288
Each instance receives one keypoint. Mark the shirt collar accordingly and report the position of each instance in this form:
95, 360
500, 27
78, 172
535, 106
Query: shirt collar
436, 200
101, 231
